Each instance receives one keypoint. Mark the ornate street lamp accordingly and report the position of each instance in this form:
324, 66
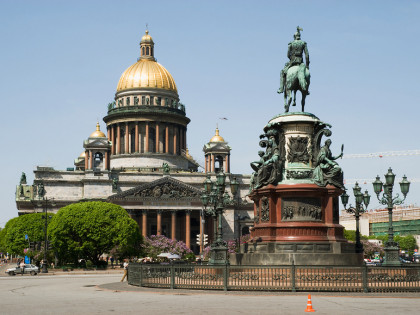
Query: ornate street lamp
215, 199
45, 202
391, 247
357, 211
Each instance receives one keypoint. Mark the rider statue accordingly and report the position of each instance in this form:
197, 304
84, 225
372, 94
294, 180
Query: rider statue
295, 51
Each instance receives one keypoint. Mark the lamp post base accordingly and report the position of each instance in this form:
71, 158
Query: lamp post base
219, 255
392, 255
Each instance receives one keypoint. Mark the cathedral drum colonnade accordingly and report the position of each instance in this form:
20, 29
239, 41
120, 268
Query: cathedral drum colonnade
146, 119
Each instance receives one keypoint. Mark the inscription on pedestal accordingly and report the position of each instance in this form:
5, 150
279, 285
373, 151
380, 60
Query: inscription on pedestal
301, 209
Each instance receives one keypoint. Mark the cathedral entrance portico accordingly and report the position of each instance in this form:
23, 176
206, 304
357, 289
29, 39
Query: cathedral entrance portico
165, 207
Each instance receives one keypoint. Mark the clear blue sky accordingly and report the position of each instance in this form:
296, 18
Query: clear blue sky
61, 61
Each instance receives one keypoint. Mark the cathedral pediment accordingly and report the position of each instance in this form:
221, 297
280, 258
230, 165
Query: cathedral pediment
99, 142
166, 188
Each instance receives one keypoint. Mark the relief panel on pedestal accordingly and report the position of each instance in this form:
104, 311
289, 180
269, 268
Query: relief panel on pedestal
301, 209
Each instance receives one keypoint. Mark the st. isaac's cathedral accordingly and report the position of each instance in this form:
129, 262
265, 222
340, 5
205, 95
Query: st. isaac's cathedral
143, 164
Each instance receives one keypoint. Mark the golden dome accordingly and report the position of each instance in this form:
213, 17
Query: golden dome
146, 73
82, 155
97, 133
146, 38
216, 137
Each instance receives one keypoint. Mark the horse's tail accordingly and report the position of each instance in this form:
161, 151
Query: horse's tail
302, 77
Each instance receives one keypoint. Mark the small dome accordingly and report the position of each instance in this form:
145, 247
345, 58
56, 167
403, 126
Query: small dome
146, 38
82, 155
217, 137
97, 133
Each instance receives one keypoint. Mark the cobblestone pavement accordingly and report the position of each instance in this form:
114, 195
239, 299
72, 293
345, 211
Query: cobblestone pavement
101, 293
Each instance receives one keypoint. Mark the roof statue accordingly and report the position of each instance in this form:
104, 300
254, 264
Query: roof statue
295, 75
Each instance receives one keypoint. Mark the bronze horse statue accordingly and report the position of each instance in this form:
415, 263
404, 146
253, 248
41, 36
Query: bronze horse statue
297, 79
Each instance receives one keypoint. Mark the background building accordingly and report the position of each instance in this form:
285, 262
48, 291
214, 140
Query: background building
142, 163
406, 221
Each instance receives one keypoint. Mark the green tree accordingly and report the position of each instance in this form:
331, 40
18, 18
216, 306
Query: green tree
86, 230
350, 235
31, 224
2, 241
407, 243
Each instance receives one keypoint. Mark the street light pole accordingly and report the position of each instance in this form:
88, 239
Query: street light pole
44, 202
357, 211
391, 247
214, 200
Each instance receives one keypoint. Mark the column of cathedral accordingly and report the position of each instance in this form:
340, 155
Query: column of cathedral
173, 225
136, 138
178, 137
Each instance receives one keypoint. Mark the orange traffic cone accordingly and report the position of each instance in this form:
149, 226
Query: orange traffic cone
309, 305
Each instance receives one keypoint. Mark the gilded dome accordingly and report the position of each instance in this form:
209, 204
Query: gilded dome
82, 155
97, 133
146, 73
217, 137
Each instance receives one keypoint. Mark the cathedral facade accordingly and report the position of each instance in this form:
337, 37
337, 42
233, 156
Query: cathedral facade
142, 162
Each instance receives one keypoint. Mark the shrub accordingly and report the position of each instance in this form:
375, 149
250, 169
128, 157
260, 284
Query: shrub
157, 244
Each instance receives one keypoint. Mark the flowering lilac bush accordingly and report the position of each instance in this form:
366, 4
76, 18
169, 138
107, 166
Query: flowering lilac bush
232, 246
206, 253
157, 244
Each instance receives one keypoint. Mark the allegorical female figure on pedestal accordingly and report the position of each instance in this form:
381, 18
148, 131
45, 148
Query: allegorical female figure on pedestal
327, 170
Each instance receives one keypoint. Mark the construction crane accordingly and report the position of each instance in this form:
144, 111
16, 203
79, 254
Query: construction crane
382, 154
378, 155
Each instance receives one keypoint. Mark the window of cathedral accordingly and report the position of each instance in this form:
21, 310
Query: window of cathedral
218, 163
147, 51
152, 139
159, 100
166, 101
142, 51
127, 101
136, 100
147, 100
143, 100
151, 100
122, 140
97, 160
133, 140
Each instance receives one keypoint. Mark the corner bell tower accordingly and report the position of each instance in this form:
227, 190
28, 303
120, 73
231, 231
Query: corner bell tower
217, 154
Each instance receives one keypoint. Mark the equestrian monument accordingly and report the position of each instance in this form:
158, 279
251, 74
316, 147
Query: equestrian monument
296, 184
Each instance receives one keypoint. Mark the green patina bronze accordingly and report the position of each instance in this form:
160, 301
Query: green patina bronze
23, 179
166, 168
295, 75
327, 170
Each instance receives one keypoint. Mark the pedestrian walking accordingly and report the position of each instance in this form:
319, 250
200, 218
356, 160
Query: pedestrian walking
22, 267
125, 270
